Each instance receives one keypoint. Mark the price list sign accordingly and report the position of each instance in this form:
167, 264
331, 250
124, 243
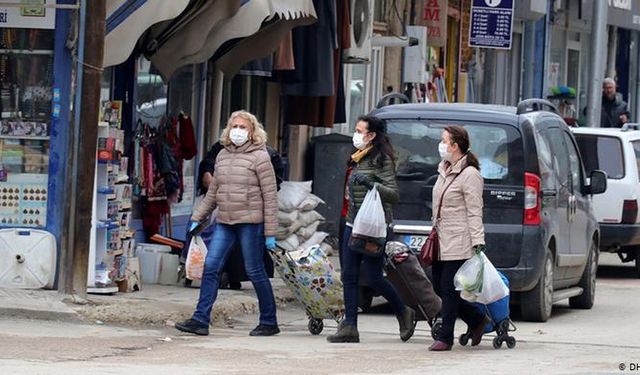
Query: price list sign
491, 24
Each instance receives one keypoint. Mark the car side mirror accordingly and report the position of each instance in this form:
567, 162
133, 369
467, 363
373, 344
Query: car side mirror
598, 183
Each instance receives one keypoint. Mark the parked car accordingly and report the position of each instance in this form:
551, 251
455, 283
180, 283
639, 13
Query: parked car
539, 223
617, 152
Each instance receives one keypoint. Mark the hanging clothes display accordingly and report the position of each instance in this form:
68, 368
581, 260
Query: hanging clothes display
159, 170
315, 88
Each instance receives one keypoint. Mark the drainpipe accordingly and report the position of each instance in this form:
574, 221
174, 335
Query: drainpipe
598, 53
529, 59
611, 53
216, 104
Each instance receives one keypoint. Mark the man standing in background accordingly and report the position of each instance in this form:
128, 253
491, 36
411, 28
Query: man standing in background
614, 112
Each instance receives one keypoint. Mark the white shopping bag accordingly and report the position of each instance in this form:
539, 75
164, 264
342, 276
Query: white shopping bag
479, 281
195, 258
370, 220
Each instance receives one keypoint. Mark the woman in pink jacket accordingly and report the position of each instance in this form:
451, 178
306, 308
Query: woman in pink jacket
460, 232
244, 190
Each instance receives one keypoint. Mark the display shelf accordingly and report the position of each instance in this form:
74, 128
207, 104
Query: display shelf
26, 137
27, 51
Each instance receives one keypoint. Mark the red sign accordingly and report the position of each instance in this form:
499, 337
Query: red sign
433, 14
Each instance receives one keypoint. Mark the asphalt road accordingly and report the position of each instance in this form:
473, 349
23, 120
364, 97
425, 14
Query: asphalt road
601, 340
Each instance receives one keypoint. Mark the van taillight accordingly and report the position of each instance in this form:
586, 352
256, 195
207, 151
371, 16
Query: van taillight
629, 211
532, 201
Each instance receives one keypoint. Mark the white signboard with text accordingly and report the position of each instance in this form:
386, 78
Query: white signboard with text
29, 16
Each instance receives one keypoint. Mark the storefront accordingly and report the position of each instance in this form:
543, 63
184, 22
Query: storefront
35, 92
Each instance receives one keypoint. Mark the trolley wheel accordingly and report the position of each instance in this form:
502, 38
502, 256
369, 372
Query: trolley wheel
464, 339
511, 342
435, 329
315, 326
497, 342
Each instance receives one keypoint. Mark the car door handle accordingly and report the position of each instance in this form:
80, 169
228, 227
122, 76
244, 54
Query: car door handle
549, 193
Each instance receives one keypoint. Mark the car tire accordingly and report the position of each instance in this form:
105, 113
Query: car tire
587, 282
637, 267
536, 304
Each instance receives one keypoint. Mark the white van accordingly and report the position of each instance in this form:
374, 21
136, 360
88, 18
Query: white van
617, 152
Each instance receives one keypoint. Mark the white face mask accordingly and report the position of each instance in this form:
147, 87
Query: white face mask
444, 154
358, 141
238, 136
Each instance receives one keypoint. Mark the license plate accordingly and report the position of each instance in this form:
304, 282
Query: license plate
415, 242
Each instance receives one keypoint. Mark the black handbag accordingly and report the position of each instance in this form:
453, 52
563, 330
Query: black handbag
369, 246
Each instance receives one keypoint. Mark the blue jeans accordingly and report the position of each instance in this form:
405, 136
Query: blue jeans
354, 262
251, 237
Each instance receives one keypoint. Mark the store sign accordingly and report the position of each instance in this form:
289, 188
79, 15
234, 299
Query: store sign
624, 13
31, 16
433, 15
491, 24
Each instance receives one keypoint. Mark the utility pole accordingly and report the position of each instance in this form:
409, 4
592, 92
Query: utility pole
84, 145
598, 54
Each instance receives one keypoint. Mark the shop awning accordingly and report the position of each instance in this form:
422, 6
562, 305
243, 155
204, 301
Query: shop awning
127, 20
235, 36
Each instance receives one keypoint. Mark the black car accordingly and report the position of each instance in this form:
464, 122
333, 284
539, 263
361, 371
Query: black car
539, 224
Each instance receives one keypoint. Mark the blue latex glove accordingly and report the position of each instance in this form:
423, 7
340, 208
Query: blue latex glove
193, 226
270, 243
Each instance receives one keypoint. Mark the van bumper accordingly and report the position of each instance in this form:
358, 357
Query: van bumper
614, 236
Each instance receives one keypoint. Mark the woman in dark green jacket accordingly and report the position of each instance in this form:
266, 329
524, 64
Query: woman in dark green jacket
372, 164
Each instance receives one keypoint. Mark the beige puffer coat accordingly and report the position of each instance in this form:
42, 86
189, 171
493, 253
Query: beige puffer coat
460, 226
243, 188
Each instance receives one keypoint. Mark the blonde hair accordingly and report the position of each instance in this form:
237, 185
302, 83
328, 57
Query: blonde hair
258, 134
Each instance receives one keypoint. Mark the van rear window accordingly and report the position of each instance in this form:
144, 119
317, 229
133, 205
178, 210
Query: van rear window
498, 148
602, 152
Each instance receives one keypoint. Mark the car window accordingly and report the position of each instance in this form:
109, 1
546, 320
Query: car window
574, 164
636, 151
498, 148
416, 145
545, 160
559, 156
602, 152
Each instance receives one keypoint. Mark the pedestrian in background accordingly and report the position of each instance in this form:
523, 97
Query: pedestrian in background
614, 111
372, 164
244, 190
460, 232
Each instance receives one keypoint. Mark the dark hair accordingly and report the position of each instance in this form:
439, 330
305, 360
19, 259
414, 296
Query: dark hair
459, 136
382, 148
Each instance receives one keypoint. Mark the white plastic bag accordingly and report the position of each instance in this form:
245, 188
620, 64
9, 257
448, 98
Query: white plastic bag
195, 258
493, 287
370, 220
479, 281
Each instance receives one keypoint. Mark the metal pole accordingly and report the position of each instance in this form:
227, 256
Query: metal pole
598, 54
529, 52
216, 105
85, 146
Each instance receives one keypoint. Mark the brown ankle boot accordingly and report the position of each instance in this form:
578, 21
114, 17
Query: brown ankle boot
345, 333
406, 321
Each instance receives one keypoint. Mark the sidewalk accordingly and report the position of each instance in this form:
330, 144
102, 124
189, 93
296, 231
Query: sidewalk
154, 305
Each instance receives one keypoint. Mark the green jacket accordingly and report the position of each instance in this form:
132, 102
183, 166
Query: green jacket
385, 181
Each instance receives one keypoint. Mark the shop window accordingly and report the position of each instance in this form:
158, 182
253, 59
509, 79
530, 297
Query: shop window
26, 76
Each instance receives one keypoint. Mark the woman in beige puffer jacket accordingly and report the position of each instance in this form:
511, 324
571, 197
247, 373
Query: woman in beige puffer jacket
244, 191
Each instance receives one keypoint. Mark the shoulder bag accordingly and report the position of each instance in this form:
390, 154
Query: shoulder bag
430, 251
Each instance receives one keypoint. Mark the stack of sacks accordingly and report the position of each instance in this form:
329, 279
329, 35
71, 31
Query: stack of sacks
298, 222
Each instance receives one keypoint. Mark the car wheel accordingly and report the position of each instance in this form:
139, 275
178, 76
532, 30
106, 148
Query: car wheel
536, 304
637, 264
587, 282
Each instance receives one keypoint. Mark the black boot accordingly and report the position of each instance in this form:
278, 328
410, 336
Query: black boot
345, 333
406, 321
193, 326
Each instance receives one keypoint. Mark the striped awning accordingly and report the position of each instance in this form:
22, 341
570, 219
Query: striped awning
252, 31
127, 20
